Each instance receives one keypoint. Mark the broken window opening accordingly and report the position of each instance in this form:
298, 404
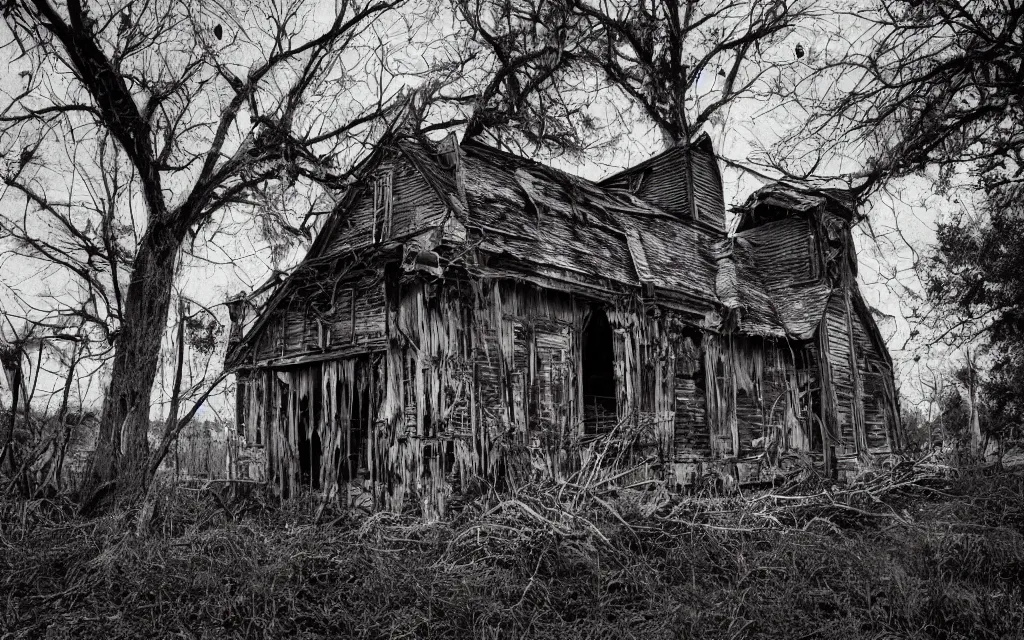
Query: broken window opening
808, 391
323, 334
356, 467
278, 333
310, 446
600, 407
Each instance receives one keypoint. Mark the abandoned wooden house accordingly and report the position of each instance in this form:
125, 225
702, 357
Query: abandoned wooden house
462, 305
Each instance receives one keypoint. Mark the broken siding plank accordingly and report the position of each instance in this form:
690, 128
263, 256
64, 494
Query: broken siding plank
709, 197
355, 229
856, 384
828, 399
720, 392
520, 374
692, 439
416, 205
553, 365
639, 255
842, 377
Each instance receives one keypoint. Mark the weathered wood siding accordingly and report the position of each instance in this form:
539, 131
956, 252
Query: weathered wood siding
865, 389
707, 189
879, 410
667, 181
840, 373
352, 314
415, 207
453, 346
784, 250
473, 372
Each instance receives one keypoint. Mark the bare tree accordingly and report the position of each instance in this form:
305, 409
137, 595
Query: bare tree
198, 110
512, 72
916, 85
682, 61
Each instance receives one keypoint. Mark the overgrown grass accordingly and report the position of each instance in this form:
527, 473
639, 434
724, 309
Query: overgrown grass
904, 555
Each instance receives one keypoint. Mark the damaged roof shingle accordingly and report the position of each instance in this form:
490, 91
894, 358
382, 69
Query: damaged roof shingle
563, 226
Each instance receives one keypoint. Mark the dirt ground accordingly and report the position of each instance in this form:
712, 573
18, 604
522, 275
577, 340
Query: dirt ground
911, 554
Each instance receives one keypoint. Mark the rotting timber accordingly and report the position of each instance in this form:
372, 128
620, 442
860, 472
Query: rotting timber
464, 309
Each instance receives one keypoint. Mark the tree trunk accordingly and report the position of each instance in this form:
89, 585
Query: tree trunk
13, 368
977, 451
122, 449
62, 417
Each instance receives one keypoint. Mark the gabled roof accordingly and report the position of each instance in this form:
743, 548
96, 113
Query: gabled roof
773, 293
784, 197
539, 220
539, 215
683, 180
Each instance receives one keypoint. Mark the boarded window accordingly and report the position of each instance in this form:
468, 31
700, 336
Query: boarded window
344, 320
382, 197
323, 334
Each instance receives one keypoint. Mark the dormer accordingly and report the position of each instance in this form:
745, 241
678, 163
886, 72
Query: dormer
684, 181
801, 221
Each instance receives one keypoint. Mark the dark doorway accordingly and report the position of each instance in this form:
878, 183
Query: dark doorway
598, 369
310, 447
358, 464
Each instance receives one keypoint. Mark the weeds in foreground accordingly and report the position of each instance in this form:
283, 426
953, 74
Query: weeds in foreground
910, 553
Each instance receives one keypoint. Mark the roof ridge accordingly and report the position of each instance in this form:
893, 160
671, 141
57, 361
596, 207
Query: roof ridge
702, 140
434, 178
532, 163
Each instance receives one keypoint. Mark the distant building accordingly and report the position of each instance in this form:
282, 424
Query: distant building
463, 305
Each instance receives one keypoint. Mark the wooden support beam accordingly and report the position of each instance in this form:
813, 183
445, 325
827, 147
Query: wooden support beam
860, 436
